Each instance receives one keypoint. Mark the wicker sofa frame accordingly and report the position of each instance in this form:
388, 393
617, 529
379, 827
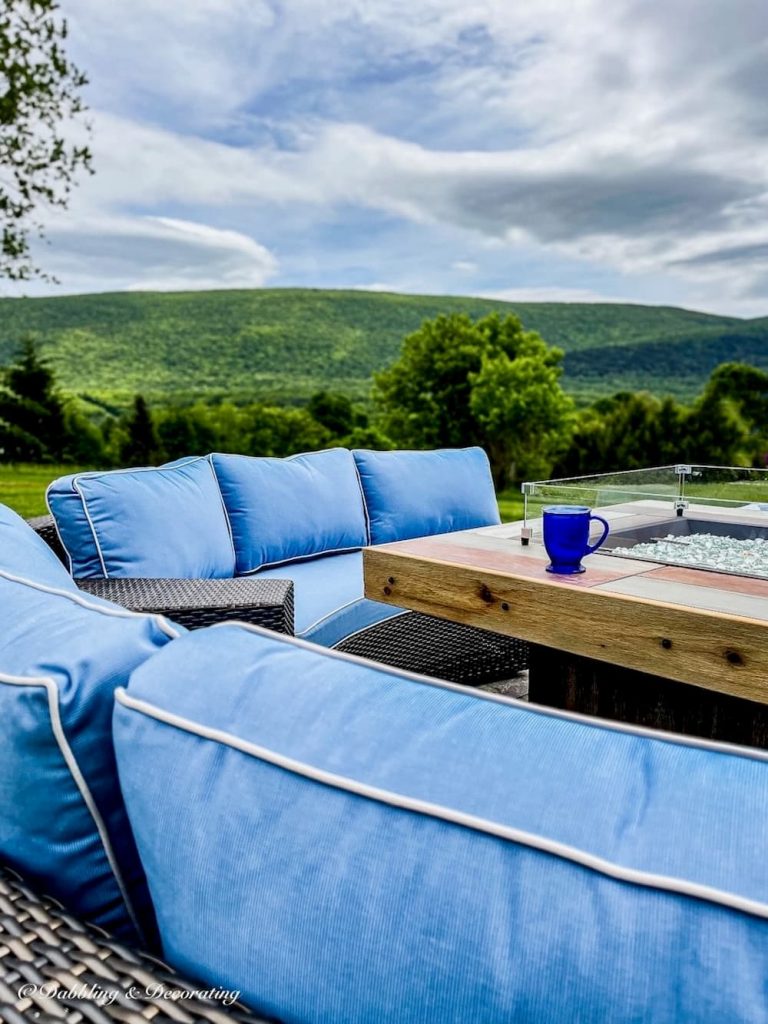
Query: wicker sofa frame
411, 641
54, 968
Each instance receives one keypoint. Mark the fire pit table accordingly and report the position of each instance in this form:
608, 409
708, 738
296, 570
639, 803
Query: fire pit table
665, 643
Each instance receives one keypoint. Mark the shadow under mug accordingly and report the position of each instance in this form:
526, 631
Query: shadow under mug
566, 537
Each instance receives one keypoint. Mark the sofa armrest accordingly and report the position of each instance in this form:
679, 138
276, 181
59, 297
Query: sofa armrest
197, 603
45, 950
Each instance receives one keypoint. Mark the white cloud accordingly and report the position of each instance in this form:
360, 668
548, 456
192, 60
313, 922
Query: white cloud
630, 136
155, 254
550, 294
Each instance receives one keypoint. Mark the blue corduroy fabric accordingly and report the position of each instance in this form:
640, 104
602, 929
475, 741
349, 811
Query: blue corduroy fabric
23, 553
167, 521
364, 879
282, 510
66, 507
328, 597
417, 494
62, 818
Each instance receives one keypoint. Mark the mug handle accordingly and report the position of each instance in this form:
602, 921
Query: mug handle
606, 528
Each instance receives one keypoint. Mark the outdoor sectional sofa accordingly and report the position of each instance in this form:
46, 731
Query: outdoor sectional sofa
339, 841
266, 521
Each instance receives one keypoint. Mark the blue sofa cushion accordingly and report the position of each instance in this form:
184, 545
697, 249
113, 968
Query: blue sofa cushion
62, 818
328, 597
167, 521
416, 494
377, 847
23, 553
283, 510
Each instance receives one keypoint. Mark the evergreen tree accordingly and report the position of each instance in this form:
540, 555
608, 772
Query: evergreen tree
141, 446
32, 410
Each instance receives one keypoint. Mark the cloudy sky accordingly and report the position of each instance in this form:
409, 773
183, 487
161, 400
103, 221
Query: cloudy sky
540, 149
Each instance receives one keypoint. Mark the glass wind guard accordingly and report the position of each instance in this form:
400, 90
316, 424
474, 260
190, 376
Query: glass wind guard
662, 483
713, 517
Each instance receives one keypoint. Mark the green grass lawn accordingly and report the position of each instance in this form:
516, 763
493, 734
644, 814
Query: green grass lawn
511, 505
23, 488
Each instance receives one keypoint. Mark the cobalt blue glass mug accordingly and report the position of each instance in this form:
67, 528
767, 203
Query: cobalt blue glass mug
566, 537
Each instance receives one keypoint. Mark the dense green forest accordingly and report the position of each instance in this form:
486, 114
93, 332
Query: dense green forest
456, 382
283, 345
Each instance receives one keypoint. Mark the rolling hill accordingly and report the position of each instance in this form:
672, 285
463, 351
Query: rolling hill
286, 343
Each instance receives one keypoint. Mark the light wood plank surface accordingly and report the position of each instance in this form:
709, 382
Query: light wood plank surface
669, 628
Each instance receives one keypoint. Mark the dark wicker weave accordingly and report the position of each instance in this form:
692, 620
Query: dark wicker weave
46, 528
44, 951
197, 603
439, 648
415, 642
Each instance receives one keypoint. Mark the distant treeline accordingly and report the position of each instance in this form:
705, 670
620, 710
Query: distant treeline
39, 424
727, 424
281, 346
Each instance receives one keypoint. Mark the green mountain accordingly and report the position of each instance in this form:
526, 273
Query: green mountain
286, 343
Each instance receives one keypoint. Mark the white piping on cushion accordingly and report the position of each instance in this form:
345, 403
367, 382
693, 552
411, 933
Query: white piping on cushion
564, 851
315, 556
364, 629
330, 615
209, 459
676, 739
114, 472
57, 728
290, 458
77, 598
362, 496
64, 547
86, 510
429, 451
324, 618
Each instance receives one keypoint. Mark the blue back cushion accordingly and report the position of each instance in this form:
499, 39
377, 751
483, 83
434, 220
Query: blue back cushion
416, 494
23, 553
379, 848
161, 522
282, 510
62, 818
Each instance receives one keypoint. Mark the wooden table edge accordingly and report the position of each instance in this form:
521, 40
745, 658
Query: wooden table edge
730, 657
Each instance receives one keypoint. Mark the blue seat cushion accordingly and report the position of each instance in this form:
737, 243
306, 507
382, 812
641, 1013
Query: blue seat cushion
417, 494
282, 510
62, 818
377, 847
23, 553
328, 597
167, 521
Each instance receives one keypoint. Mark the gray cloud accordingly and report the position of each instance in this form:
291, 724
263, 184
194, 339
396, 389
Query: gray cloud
735, 254
628, 136
638, 202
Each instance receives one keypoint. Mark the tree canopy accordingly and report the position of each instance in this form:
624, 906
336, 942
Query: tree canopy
487, 382
39, 95
726, 425
32, 413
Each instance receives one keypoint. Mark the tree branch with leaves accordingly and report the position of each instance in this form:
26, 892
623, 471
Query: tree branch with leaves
39, 95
